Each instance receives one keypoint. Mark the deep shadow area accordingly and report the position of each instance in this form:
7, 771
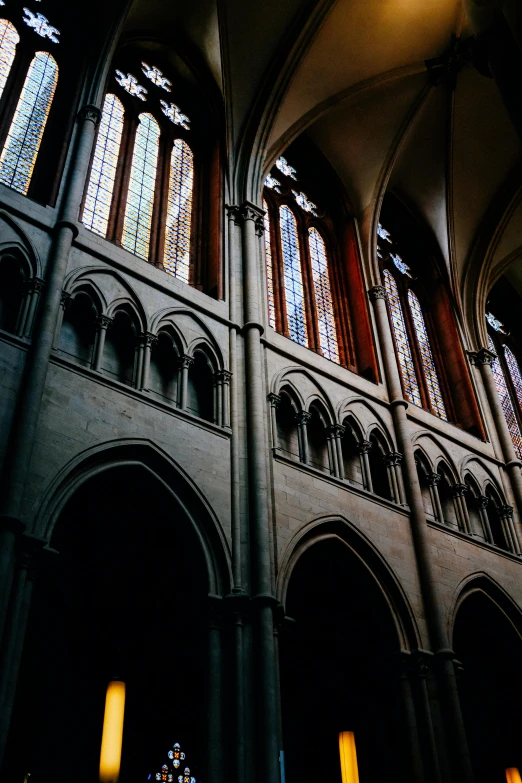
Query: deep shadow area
125, 597
337, 669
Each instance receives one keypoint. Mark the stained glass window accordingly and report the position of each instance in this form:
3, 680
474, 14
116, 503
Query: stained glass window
269, 269
8, 41
428, 365
514, 371
293, 280
167, 775
179, 212
104, 164
409, 378
505, 401
140, 199
40, 25
323, 296
26, 131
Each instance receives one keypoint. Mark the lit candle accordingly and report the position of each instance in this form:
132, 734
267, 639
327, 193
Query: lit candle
513, 775
110, 755
348, 757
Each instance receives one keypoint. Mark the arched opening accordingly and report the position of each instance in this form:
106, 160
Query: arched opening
200, 390
490, 686
472, 500
335, 673
446, 498
120, 348
12, 289
124, 597
317, 441
164, 367
351, 456
287, 436
423, 471
378, 472
495, 522
78, 332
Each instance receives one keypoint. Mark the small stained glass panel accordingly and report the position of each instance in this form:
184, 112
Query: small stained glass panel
9, 38
293, 280
506, 402
269, 269
514, 371
428, 365
323, 296
140, 200
26, 131
402, 343
176, 260
103, 170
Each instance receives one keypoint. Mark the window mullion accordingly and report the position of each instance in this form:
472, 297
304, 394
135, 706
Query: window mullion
159, 212
308, 285
415, 350
121, 185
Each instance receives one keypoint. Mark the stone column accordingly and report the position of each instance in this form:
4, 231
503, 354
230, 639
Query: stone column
433, 480
65, 301
237, 606
35, 288
185, 362
332, 450
263, 602
393, 461
103, 322
505, 515
435, 616
483, 359
338, 431
274, 400
482, 504
410, 732
215, 694
147, 340
25, 420
421, 664
223, 378
303, 417
459, 491
363, 449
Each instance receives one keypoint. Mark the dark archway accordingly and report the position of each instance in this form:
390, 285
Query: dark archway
336, 663
126, 596
490, 649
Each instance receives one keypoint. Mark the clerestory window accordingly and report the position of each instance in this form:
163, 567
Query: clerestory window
507, 376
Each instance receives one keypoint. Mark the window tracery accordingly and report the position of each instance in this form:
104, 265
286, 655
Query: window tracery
402, 343
40, 24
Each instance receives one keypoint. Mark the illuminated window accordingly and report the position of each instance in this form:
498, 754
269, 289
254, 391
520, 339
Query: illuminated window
506, 402
179, 212
514, 371
140, 200
26, 131
428, 365
293, 281
9, 38
323, 296
402, 343
104, 165
269, 269
173, 773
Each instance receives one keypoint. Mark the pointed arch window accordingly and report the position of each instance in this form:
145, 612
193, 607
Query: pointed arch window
293, 279
104, 165
428, 365
9, 39
179, 211
137, 222
402, 342
28, 124
269, 268
323, 296
508, 379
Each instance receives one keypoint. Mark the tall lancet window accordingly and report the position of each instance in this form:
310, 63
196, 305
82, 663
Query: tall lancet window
179, 211
98, 199
307, 284
137, 223
28, 124
508, 378
414, 340
9, 39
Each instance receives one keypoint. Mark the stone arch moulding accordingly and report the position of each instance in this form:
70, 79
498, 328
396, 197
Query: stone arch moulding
184, 491
94, 275
283, 378
439, 454
340, 528
348, 408
317, 403
480, 582
212, 355
466, 469
13, 239
173, 315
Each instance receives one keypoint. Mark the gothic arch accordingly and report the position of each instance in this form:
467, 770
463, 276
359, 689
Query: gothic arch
317, 403
466, 468
212, 355
443, 453
381, 437
173, 315
346, 408
14, 241
282, 378
480, 582
94, 275
185, 493
340, 528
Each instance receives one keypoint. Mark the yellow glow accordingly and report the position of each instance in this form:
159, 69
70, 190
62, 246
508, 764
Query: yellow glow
348, 757
110, 755
513, 775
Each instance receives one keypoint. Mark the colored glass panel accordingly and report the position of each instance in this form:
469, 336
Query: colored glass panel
140, 200
8, 40
26, 131
514, 371
104, 165
402, 344
428, 365
323, 296
293, 280
179, 211
269, 269
505, 401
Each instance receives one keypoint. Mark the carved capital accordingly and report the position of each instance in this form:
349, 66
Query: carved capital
482, 502
377, 292
104, 321
459, 490
249, 211
364, 447
337, 430
274, 399
185, 362
147, 339
422, 662
260, 226
393, 459
232, 212
90, 113
505, 512
303, 417
433, 479
66, 300
36, 284
223, 376
482, 357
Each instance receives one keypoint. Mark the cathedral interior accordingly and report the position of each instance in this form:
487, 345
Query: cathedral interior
261, 391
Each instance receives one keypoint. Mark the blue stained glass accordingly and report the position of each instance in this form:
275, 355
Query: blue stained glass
514, 371
26, 131
323, 296
179, 212
506, 403
104, 164
402, 343
140, 200
269, 269
293, 280
428, 365
9, 38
